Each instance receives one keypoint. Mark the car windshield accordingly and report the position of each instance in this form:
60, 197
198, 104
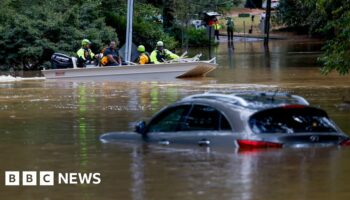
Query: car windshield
296, 120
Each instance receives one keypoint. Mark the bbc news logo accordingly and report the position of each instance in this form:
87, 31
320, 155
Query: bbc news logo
47, 178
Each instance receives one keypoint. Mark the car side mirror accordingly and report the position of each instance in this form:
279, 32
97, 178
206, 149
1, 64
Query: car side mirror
140, 127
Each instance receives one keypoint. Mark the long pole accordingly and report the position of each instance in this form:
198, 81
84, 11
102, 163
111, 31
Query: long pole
267, 22
128, 42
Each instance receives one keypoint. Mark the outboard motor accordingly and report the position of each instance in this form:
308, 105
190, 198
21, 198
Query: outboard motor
61, 61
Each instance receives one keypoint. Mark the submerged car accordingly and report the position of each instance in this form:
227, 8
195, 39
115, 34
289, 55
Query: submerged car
245, 120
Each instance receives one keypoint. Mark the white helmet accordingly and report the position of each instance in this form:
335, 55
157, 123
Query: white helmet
160, 44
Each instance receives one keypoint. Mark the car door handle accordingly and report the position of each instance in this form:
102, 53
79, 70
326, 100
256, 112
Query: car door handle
203, 142
164, 142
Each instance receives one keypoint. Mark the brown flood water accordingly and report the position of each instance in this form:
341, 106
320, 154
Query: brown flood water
49, 125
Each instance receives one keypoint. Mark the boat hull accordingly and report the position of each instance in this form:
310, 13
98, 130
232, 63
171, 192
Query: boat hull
150, 71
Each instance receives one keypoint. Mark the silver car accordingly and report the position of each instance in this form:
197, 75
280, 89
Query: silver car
244, 120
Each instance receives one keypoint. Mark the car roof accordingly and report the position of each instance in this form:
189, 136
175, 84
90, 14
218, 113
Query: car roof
249, 100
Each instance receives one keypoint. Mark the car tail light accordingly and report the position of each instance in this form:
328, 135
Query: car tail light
293, 106
258, 144
345, 143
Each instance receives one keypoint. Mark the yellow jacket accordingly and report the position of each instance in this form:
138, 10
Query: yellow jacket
158, 56
84, 53
217, 26
143, 59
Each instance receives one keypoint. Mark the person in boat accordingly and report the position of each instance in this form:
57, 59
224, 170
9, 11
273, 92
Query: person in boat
160, 54
85, 55
143, 55
111, 56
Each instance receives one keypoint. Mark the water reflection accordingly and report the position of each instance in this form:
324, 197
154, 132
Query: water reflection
199, 173
230, 49
82, 101
137, 173
54, 125
267, 57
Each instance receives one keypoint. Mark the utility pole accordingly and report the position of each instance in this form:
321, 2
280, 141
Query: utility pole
267, 23
128, 42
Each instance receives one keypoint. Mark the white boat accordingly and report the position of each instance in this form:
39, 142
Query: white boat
179, 68
184, 68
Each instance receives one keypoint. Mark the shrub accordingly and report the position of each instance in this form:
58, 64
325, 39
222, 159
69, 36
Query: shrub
30, 34
197, 37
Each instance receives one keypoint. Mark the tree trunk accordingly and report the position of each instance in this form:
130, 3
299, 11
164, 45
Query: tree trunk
168, 14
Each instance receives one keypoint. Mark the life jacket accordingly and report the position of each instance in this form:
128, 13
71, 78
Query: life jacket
148, 57
217, 26
157, 57
104, 60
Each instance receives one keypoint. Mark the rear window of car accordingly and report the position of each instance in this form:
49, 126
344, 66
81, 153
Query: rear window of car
291, 120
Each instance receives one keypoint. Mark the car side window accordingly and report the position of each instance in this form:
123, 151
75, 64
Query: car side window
205, 118
170, 120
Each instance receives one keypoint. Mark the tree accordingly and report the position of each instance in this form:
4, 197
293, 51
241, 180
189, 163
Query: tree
336, 54
32, 31
253, 3
147, 29
330, 19
168, 14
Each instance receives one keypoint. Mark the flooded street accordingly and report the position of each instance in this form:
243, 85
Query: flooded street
50, 125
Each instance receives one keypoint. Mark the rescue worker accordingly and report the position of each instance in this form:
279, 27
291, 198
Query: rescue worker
111, 56
230, 26
217, 27
143, 55
85, 55
160, 54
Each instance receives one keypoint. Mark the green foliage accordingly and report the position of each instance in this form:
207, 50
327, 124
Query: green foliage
297, 14
336, 54
148, 33
146, 29
330, 18
197, 37
185, 13
314, 15
31, 32
190, 36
